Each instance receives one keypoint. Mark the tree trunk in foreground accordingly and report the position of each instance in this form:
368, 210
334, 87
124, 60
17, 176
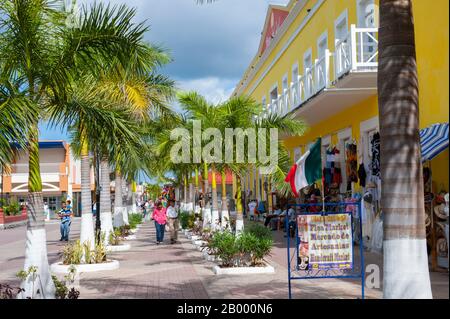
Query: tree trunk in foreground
225, 218
406, 273
215, 221
36, 243
239, 208
87, 224
127, 201
105, 201
118, 203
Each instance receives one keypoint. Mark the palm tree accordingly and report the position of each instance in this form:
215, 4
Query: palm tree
406, 273
237, 113
16, 113
43, 53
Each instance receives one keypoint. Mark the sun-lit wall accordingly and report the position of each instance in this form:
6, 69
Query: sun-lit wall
310, 20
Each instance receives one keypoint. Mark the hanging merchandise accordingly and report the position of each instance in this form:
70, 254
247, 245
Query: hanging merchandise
351, 165
375, 165
367, 217
376, 243
332, 175
362, 175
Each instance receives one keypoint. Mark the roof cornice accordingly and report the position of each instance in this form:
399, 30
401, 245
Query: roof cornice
252, 69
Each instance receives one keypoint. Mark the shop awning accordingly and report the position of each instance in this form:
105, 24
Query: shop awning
433, 141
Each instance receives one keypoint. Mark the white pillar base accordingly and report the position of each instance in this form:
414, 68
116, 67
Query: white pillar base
215, 220
406, 273
125, 215
118, 216
207, 217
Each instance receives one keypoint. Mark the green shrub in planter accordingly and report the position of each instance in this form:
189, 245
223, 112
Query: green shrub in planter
242, 251
184, 219
224, 246
134, 220
114, 237
13, 209
261, 250
72, 253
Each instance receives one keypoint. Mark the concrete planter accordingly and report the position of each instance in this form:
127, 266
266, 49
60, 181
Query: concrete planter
243, 270
199, 243
117, 248
209, 257
64, 269
195, 237
131, 237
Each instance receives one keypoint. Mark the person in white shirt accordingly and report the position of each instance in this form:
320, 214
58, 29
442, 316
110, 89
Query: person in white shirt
172, 218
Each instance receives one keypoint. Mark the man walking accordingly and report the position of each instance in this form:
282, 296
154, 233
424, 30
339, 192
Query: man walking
172, 216
65, 214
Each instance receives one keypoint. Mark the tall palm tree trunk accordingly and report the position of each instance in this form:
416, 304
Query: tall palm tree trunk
207, 213
191, 197
225, 218
105, 201
127, 202
87, 224
36, 243
196, 203
406, 273
118, 201
133, 197
239, 211
185, 186
215, 220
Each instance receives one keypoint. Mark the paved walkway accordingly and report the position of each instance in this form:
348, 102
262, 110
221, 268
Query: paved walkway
179, 271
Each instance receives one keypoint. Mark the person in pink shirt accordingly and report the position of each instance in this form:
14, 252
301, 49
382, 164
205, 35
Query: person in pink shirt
160, 218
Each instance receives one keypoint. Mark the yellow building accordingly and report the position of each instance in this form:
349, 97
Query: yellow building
318, 59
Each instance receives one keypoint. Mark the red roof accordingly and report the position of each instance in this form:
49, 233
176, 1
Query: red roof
274, 20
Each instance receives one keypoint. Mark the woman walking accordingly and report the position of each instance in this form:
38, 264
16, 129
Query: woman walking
160, 218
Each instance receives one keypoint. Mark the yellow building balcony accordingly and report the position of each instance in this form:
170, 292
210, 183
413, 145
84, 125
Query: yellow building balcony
334, 81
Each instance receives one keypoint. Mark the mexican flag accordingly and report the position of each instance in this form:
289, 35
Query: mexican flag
307, 170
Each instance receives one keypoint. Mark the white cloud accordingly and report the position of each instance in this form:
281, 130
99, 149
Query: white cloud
214, 89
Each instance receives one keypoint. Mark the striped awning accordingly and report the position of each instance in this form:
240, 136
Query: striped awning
433, 141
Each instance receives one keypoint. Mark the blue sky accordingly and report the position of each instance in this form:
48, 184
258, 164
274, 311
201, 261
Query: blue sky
211, 44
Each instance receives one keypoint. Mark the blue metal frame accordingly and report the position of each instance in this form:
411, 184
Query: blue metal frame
361, 247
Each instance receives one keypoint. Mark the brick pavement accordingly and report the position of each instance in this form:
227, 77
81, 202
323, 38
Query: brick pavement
180, 272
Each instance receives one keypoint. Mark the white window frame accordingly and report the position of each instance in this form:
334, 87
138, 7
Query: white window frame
285, 78
275, 86
339, 21
322, 38
358, 12
295, 66
308, 53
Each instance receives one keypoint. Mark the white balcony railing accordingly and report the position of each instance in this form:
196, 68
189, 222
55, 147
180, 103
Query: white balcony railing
357, 52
